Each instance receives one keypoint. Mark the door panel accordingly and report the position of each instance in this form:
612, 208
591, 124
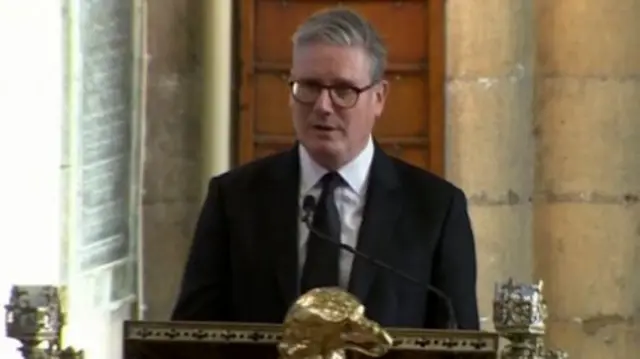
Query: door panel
416, 153
272, 104
411, 127
266, 149
406, 107
276, 21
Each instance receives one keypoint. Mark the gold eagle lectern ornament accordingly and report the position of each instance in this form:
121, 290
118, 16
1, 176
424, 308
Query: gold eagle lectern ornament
325, 322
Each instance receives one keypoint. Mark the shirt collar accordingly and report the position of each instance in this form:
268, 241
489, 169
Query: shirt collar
354, 173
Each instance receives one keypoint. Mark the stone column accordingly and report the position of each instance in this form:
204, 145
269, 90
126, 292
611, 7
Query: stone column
172, 167
489, 132
216, 88
587, 210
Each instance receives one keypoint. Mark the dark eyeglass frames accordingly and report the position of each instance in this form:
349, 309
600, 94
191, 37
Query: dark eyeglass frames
343, 96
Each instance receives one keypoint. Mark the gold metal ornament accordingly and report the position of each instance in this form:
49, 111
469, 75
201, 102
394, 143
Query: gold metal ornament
519, 315
34, 317
325, 322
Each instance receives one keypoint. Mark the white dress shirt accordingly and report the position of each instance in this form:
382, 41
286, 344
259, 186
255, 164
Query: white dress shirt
350, 200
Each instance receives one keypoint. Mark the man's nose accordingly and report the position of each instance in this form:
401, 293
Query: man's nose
323, 102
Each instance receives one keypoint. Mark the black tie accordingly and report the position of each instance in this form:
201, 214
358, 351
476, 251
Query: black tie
321, 267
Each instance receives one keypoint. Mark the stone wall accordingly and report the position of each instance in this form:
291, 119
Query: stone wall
544, 136
587, 205
490, 143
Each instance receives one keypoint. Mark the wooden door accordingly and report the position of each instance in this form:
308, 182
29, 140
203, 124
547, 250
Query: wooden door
411, 127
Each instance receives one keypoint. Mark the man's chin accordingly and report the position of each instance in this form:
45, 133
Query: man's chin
326, 148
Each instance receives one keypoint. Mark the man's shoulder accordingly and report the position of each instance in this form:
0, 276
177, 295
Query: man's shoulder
256, 170
418, 180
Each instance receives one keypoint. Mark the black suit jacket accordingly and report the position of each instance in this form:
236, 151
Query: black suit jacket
243, 264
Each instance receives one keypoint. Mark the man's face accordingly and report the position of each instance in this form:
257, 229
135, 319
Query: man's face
331, 125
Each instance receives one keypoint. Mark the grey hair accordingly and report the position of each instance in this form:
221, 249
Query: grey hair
344, 27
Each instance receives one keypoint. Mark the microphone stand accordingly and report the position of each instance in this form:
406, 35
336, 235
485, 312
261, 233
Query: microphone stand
308, 207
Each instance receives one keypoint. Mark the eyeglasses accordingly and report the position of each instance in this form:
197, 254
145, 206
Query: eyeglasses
343, 96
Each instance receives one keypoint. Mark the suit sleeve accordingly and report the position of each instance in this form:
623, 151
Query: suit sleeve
455, 271
204, 294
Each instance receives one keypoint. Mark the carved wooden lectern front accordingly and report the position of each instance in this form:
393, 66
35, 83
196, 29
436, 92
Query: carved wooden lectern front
167, 340
519, 316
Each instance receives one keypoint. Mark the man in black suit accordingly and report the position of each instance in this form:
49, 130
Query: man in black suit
251, 255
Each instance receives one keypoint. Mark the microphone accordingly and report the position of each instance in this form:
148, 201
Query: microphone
308, 207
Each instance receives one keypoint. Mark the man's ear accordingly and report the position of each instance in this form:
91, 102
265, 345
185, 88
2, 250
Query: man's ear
383, 91
380, 96
289, 79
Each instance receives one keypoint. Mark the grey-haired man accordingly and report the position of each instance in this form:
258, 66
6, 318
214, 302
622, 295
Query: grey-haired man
252, 256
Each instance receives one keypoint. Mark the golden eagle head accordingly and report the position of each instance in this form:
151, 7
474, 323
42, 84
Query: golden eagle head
323, 322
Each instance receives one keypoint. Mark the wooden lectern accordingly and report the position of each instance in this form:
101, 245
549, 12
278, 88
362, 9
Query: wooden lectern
519, 313
176, 340
34, 317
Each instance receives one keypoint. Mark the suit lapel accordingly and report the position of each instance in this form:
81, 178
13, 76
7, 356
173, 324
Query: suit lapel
279, 208
381, 213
